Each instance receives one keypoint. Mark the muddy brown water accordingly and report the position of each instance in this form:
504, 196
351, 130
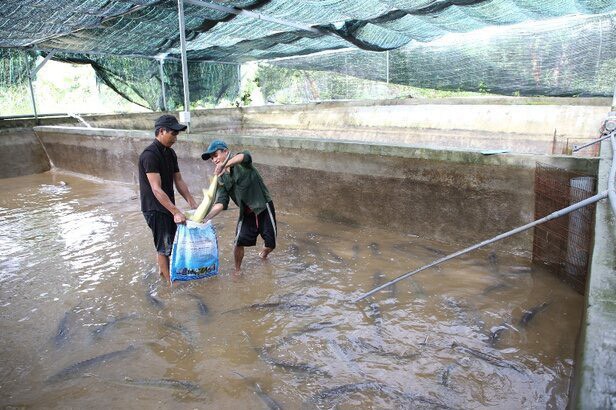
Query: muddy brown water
87, 323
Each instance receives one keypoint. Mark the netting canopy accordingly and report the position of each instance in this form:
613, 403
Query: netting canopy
548, 47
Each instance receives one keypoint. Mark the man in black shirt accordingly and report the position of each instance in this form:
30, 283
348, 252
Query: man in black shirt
158, 171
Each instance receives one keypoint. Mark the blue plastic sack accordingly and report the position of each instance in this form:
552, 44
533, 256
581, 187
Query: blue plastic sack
195, 252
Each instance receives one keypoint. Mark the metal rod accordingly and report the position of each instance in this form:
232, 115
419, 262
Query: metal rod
258, 16
32, 94
553, 215
184, 62
610, 182
45, 60
33, 99
162, 83
579, 147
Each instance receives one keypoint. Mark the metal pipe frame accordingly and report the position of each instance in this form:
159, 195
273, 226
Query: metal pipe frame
184, 61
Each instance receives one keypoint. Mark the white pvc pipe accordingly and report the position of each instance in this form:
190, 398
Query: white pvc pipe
553, 215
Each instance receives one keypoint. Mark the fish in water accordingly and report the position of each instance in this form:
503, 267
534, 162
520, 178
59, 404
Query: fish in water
495, 333
495, 288
487, 357
265, 356
528, 315
203, 309
98, 332
380, 351
77, 368
182, 330
154, 301
445, 375
375, 249
339, 392
171, 384
378, 278
374, 315
294, 250
313, 327
356, 251
493, 261
344, 357
265, 398
270, 305
61, 336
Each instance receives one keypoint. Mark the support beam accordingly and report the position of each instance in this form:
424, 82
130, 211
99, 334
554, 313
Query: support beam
185, 115
258, 16
31, 76
162, 83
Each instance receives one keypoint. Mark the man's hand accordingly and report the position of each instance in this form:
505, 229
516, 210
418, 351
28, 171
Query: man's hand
220, 169
179, 218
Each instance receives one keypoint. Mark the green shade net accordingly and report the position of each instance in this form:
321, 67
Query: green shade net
547, 47
138, 80
572, 56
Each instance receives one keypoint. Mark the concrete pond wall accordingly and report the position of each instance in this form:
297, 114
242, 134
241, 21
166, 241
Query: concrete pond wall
416, 167
523, 125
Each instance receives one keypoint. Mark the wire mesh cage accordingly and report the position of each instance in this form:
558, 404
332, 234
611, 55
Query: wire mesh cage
564, 244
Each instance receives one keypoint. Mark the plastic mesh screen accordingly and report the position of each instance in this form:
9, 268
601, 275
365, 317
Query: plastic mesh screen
568, 57
564, 244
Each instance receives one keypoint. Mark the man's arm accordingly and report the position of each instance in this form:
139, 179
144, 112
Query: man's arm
240, 158
216, 209
183, 190
163, 198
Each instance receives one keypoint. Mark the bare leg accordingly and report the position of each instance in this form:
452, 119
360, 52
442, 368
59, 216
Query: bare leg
264, 252
163, 265
238, 254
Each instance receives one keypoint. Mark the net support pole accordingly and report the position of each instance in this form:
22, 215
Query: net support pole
162, 84
184, 115
553, 215
387, 64
33, 99
32, 76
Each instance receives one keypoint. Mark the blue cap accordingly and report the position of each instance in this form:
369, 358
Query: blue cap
214, 146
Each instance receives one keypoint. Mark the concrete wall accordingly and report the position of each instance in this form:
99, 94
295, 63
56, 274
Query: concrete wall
21, 153
449, 195
525, 125
595, 381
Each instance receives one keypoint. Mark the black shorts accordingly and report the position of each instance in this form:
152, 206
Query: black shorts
253, 225
163, 228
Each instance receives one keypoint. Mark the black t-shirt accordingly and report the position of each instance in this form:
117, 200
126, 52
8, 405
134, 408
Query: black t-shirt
157, 158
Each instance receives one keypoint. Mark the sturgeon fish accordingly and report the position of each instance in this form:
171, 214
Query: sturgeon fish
171, 384
530, 314
336, 393
269, 305
267, 358
61, 336
265, 398
487, 357
77, 368
203, 309
98, 332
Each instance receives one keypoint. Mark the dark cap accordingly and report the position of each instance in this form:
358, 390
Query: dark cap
214, 146
170, 122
